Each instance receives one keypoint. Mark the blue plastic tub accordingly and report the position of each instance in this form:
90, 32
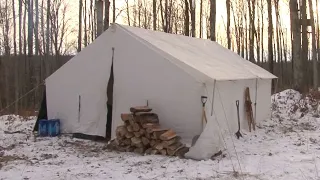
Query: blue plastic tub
43, 127
54, 127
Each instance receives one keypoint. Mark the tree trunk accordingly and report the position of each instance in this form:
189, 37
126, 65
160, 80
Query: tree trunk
113, 8
314, 48
85, 39
305, 43
14, 29
48, 42
270, 37
99, 7
213, 6
228, 23
106, 14
30, 27
80, 26
36, 28
193, 18
20, 26
251, 29
296, 46
186, 20
201, 19
154, 12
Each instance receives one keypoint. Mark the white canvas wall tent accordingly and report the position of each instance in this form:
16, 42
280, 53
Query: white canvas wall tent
169, 71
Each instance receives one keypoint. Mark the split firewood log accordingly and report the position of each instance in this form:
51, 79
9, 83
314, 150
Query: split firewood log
142, 131
148, 151
121, 131
145, 141
129, 135
146, 117
136, 140
135, 127
170, 134
181, 152
158, 146
140, 109
154, 152
166, 144
129, 128
163, 152
150, 125
175, 146
158, 132
172, 152
139, 150
153, 142
126, 117
126, 141
137, 134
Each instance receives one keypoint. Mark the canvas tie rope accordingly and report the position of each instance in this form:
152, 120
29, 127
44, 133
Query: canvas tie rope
21, 97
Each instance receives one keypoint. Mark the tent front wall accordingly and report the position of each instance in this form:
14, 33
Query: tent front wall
224, 102
76, 93
141, 75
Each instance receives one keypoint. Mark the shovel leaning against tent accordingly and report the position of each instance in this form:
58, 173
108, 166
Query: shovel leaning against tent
238, 133
203, 119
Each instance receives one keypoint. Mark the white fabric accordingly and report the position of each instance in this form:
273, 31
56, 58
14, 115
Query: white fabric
85, 75
207, 57
170, 72
208, 143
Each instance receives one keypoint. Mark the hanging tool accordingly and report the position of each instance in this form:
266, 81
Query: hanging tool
249, 112
204, 117
238, 133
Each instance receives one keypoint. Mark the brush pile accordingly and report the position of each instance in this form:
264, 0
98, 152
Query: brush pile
141, 133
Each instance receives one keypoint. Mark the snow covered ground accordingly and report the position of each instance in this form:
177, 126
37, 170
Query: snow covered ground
284, 147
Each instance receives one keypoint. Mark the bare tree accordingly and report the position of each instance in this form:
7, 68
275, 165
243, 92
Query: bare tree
270, 36
106, 14
154, 12
213, 6
314, 48
80, 26
228, 3
30, 27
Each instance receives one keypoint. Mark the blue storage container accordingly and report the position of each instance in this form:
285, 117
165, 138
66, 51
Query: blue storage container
54, 127
43, 127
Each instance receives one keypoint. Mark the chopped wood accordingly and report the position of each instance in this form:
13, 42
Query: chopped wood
150, 125
126, 141
121, 131
142, 131
129, 135
171, 141
135, 127
126, 117
156, 129
154, 152
145, 141
147, 135
163, 152
158, 146
153, 142
158, 133
181, 152
140, 109
140, 145
136, 140
148, 151
137, 134
139, 150
146, 117
172, 152
170, 134
175, 146
129, 128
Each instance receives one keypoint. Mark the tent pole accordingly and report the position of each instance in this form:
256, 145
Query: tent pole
255, 101
214, 88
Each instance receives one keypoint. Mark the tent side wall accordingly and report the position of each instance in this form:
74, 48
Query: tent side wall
225, 95
142, 74
76, 93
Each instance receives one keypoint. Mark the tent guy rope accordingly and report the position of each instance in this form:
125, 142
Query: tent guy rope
21, 97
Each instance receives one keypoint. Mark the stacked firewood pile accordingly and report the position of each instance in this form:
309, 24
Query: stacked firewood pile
141, 133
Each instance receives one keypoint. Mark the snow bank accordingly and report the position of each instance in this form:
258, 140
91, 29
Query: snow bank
283, 147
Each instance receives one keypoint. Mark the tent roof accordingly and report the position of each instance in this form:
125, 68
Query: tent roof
209, 58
